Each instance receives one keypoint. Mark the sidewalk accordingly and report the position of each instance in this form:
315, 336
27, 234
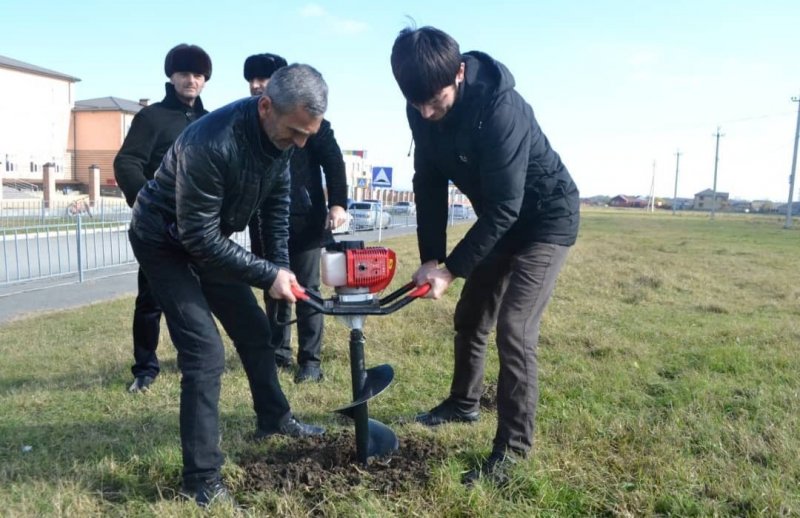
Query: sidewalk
30, 298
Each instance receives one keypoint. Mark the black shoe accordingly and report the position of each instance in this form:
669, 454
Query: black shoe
292, 428
446, 412
495, 469
208, 492
284, 364
308, 372
141, 384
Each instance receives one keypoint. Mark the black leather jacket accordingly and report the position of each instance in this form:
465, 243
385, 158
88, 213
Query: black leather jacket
220, 169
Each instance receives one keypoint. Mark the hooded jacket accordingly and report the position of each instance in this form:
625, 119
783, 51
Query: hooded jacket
209, 185
491, 147
152, 132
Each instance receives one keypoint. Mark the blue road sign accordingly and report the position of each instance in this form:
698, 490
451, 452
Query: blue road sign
362, 182
381, 176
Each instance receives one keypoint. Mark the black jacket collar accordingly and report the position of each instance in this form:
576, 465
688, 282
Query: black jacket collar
171, 101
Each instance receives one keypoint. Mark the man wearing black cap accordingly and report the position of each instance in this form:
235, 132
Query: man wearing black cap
310, 224
152, 131
215, 176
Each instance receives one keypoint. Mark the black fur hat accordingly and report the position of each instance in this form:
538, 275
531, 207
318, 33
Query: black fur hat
262, 65
187, 58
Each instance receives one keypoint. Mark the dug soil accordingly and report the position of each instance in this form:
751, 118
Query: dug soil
307, 466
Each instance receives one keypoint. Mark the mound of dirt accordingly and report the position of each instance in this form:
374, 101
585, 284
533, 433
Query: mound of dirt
307, 465
489, 397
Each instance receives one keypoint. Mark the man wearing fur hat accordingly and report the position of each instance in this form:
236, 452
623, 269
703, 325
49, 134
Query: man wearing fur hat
310, 224
152, 132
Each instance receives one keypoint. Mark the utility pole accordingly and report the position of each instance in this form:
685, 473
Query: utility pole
716, 163
651, 203
794, 166
675, 193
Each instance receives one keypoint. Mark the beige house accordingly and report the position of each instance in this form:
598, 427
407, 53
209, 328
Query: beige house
96, 132
35, 106
704, 200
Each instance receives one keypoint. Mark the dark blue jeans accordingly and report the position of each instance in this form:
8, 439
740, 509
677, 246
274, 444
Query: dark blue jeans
305, 266
190, 298
146, 328
510, 291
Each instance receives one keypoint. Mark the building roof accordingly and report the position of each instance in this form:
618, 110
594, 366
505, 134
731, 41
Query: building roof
33, 69
108, 104
709, 192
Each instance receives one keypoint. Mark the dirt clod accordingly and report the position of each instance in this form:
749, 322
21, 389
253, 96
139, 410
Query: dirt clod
489, 397
311, 464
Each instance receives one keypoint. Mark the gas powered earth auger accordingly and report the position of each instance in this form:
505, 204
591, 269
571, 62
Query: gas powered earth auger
357, 274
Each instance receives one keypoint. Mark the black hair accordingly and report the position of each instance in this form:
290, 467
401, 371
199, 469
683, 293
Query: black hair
424, 61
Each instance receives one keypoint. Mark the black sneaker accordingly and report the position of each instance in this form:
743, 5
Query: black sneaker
291, 428
495, 469
308, 372
209, 492
446, 412
141, 384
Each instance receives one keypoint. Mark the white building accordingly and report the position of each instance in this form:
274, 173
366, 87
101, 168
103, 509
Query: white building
35, 109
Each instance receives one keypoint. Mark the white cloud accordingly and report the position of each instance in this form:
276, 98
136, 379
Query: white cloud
312, 11
342, 26
334, 23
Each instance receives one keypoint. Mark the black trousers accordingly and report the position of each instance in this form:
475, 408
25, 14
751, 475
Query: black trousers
190, 298
305, 266
146, 328
510, 291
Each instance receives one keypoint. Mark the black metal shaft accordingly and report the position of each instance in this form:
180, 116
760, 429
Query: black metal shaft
359, 376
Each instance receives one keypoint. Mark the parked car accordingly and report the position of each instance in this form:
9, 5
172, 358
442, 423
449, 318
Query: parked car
406, 208
369, 215
346, 227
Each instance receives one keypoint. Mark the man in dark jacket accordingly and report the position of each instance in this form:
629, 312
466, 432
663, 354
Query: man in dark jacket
152, 132
310, 223
472, 128
210, 183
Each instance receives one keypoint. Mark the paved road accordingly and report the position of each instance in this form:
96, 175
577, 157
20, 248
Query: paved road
41, 296
24, 299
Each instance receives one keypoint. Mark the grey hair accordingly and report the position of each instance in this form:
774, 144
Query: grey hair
298, 85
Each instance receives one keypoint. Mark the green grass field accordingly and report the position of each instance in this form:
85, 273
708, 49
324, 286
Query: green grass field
668, 374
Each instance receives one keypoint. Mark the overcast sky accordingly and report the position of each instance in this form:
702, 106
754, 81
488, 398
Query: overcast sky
616, 85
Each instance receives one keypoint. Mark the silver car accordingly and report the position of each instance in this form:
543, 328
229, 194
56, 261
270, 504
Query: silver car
368, 215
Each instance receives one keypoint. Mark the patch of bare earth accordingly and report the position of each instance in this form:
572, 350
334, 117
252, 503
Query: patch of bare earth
489, 397
309, 465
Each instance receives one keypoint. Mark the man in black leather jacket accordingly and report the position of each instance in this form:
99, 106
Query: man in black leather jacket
310, 222
210, 183
471, 127
152, 132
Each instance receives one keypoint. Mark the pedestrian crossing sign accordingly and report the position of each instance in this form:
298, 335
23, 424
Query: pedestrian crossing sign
381, 176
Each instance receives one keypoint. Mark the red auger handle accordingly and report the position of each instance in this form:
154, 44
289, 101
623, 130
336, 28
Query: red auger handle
420, 291
299, 292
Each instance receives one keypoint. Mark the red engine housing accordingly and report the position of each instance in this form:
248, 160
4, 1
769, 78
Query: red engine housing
371, 268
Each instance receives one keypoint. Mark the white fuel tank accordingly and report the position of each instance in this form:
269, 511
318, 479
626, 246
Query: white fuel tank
334, 269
